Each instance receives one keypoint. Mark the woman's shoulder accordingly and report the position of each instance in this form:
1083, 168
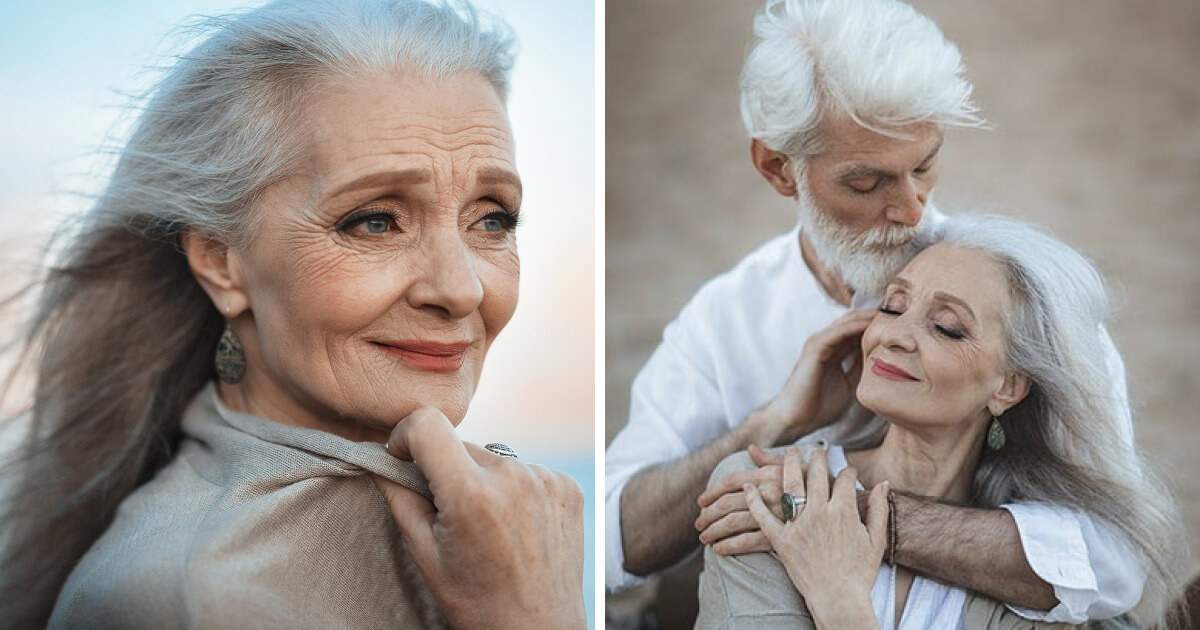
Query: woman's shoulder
258, 551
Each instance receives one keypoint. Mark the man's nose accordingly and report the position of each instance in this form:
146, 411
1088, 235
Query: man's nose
446, 281
907, 203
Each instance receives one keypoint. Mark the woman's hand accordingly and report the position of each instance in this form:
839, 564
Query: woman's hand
818, 390
830, 556
501, 546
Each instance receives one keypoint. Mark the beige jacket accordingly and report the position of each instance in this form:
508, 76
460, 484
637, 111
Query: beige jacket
754, 592
254, 524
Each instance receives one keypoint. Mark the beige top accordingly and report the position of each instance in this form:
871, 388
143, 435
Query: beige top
254, 524
754, 592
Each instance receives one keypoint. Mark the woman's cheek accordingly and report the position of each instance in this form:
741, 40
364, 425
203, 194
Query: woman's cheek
499, 270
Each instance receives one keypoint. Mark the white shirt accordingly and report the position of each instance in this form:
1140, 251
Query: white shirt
930, 604
730, 351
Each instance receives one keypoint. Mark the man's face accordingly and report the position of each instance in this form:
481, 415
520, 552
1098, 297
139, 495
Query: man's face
862, 199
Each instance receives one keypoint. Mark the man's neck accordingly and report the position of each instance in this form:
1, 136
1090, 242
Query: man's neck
830, 279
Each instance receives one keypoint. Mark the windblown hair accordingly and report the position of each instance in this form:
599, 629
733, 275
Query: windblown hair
1068, 442
877, 61
122, 337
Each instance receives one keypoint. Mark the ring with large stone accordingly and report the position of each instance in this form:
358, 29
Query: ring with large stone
503, 450
792, 505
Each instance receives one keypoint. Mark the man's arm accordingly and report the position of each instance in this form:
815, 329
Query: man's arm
978, 549
658, 505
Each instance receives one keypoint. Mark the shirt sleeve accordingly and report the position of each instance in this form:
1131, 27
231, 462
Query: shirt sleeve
675, 408
1094, 571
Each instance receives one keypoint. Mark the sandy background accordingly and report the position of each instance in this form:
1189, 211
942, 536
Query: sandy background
1096, 107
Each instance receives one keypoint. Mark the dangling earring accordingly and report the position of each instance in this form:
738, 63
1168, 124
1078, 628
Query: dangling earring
230, 360
995, 437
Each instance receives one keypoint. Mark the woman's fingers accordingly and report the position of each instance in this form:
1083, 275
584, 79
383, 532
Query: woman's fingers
817, 484
766, 521
415, 517
793, 473
877, 517
427, 437
844, 488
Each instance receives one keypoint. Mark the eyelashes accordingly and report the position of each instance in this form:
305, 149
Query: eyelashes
950, 333
382, 220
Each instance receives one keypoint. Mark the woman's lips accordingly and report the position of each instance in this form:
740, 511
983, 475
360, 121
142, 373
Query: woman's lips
890, 372
427, 355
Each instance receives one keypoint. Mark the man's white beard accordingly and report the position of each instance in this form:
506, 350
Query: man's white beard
866, 261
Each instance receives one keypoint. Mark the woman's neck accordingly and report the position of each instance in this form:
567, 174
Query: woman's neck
933, 463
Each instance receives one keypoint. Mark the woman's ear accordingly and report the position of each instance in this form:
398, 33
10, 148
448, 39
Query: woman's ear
217, 269
775, 167
1012, 391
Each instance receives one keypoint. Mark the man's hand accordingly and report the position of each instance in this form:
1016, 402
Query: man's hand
725, 521
501, 546
818, 391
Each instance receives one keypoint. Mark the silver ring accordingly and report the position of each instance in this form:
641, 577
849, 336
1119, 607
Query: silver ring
503, 450
792, 506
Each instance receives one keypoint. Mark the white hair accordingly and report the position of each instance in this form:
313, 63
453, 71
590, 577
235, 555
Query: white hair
879, 62
868, 260
1066, 442
213, 133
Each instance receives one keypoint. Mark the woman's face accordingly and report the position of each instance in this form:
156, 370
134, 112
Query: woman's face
934, 355
380, 274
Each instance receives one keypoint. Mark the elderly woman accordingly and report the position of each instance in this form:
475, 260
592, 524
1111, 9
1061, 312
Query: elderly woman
252, 355
985, 378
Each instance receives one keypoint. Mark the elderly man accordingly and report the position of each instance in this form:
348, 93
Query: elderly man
846, 104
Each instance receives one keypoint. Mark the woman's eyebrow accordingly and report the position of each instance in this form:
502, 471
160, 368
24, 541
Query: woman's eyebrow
404, 177
946, 297
497, 175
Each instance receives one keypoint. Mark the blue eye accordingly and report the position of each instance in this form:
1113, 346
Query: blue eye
499, 221
372, 223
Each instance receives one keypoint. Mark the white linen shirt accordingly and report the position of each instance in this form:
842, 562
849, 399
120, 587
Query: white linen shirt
731, 350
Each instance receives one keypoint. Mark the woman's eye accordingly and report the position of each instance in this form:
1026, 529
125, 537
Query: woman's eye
499, 221
950, 332
376, 226
371, 223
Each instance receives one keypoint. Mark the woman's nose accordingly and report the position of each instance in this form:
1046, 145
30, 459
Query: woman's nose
898, 334
447, 281
908, 202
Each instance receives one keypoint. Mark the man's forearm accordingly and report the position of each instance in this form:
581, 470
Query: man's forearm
978, 549
658, 505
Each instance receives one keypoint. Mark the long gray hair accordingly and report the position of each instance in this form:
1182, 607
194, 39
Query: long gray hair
122, 336
1068, 442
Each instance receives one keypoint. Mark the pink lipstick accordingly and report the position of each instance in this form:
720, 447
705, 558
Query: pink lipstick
427, 355
891, 372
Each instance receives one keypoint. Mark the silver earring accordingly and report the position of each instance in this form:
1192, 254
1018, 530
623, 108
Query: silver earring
995, 436
230, 359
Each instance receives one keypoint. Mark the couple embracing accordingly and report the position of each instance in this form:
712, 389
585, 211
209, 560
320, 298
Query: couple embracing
888, 417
